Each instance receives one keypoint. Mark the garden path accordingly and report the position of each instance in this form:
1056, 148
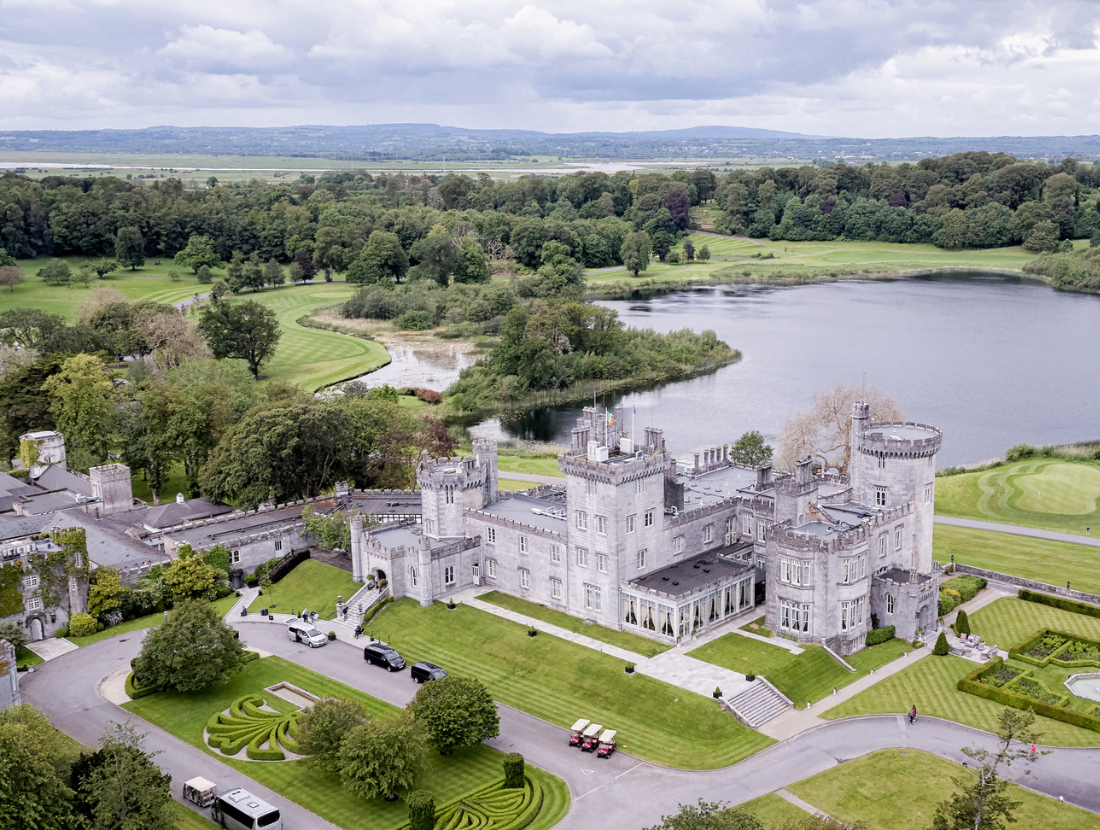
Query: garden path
52, 648
1019, 530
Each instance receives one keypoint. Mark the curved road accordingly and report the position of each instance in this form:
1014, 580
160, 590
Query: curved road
635, 792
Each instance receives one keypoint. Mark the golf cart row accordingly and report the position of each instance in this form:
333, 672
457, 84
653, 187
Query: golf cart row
592, 737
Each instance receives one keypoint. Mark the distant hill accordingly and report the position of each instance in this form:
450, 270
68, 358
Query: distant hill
424, 142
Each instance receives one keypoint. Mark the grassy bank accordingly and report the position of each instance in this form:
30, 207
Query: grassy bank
313, 585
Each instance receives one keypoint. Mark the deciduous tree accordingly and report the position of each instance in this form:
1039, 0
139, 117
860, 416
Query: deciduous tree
245, 330
456, 711
119, 787
189, 577
325, 725
381, 260
80, 399
273, 273
635, 252
55, 272
106, 591
383, 758
35, 760
11, 276
192, 651
130, 247
750, 450
199, 252
472, 263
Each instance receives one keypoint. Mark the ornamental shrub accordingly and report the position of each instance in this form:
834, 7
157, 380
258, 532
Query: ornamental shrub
82, 625
940, 649
62, 632
1073, 606
421, 806
513, 771
880, 635
962, 624
429, 396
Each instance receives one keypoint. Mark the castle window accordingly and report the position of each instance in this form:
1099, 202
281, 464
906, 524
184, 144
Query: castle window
601, 525
491, 568
639, 487
880, 497
278, 544
927, 493
648, 518
889, 603
590, 488
30, 581
449, 575
708, 533
897, 539
882, 545
449, 493
794, 616
677, 544
582, 557
491, 535
524, 578
235, 557
555, 553
881, 461
847, 570
523, 544
431, 527
760, 527
805, 573
748, 528
592, 598
630, 522
731, 526
34, 603
555, 588
601, 563
412, 575
862, 561
851, 614
582, 520
641, 559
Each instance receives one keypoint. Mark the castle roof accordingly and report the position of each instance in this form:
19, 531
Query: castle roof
540, 513
690, 575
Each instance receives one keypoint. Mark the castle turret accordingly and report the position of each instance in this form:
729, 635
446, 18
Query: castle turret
449, 485
485, 451
111, 485
50, 448
423, 590
357, 569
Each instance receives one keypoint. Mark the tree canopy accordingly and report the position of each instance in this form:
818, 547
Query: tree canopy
456, 711
246, 330
191, 652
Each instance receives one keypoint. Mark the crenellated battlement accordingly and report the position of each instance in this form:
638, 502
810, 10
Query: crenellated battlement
877, 440
789, 537
618, 469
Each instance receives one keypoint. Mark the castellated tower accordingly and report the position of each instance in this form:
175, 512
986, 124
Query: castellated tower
895, 464
448, 485
111, 485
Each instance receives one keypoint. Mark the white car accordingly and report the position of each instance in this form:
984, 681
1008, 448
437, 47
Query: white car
304, 632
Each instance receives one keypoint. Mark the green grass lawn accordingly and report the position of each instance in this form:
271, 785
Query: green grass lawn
313, 585
25, 657
510, 484
622, 639
930, 685
222, 605
1049, 493
891, 791
314, 358
773, 810
560, 681
539, 464
1009, 621
808, 676
757, 627
1038, 559
446, 777
188, 819
174, 482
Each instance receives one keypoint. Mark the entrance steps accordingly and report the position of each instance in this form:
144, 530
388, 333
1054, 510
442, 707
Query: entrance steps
358, 607
757, 704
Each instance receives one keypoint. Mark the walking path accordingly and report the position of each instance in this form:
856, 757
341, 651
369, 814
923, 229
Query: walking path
52, 648
1018, 530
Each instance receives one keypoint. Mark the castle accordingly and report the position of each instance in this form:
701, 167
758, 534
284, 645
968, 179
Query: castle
639, 541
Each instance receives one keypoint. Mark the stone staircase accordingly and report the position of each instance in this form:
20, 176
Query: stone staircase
757, 704
363, 600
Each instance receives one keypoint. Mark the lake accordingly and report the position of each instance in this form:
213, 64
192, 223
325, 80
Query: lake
991, 360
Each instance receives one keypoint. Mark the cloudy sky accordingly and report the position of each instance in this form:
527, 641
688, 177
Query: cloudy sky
870, 68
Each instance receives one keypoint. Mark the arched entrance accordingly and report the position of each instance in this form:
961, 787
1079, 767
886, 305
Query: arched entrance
35, 629
379, 574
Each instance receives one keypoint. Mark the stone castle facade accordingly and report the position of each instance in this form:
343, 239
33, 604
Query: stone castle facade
636, 540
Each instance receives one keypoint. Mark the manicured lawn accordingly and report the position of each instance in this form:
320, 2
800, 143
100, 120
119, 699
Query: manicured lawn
560, 681
446, 777
510, 484
808, 676
25, 657
190, 820
1038, 559
773, 810
152, 620
891, 791
175, 482
1048, 493
622, 639
314, 358
930, 685
757, 627
1010, 620
539, 464
313, 585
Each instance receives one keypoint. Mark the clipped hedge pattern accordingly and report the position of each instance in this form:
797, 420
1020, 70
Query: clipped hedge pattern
377, 607
493, 807
1070, 605
880, 635
263, 735
134, 691
971, 684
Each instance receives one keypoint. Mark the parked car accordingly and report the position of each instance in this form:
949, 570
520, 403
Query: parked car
424, 671
303, 632
384, 656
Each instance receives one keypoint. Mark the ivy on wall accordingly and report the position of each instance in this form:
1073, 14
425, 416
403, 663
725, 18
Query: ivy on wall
11, 593
55, 568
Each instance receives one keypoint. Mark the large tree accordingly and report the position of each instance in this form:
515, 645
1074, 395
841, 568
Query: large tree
824, 430
472, 263
119, 787
382, 758
457, 711
191, 652
130, 247
381, 260
635, 252
30, 328
35, 760
750, 450
190, 577
11, 276
324, 726
81, 402
199, 252
982, 801
245, 330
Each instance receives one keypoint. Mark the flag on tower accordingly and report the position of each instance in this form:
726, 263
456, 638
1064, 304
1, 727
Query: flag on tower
610, 420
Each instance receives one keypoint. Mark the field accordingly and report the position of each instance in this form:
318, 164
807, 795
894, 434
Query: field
1047, 493
809, 676
560, 681
892, 791
446, 777
539, 464
1052, 562
622, 639
312, 585
740, 259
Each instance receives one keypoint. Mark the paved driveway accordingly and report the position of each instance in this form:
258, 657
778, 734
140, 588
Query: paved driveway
634, 792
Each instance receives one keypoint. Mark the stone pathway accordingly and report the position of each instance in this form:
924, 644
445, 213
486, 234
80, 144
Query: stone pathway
693, 675
798, 802
52, 648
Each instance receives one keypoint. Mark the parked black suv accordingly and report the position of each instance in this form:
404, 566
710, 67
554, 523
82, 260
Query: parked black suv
424, 670
384, 656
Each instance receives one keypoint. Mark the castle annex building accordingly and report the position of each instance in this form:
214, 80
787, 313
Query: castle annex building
638, 540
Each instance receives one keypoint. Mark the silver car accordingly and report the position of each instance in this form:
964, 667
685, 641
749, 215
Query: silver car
304, 632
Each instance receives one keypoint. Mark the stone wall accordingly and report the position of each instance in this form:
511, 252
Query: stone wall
1030, 584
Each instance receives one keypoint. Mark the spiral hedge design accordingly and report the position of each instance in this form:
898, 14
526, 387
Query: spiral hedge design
493, 808
263, 735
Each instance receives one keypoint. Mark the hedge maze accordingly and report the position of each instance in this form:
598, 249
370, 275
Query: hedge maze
493, 807
262, 734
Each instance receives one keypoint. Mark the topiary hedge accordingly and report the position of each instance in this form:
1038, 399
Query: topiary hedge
971, 684
421, 806
941, 648
513, 771
955, 592
962, 624
1073, 606
134, 691
880, 635
82, 625
377, 607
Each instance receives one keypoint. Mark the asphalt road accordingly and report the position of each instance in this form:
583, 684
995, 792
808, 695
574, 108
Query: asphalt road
635, 792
